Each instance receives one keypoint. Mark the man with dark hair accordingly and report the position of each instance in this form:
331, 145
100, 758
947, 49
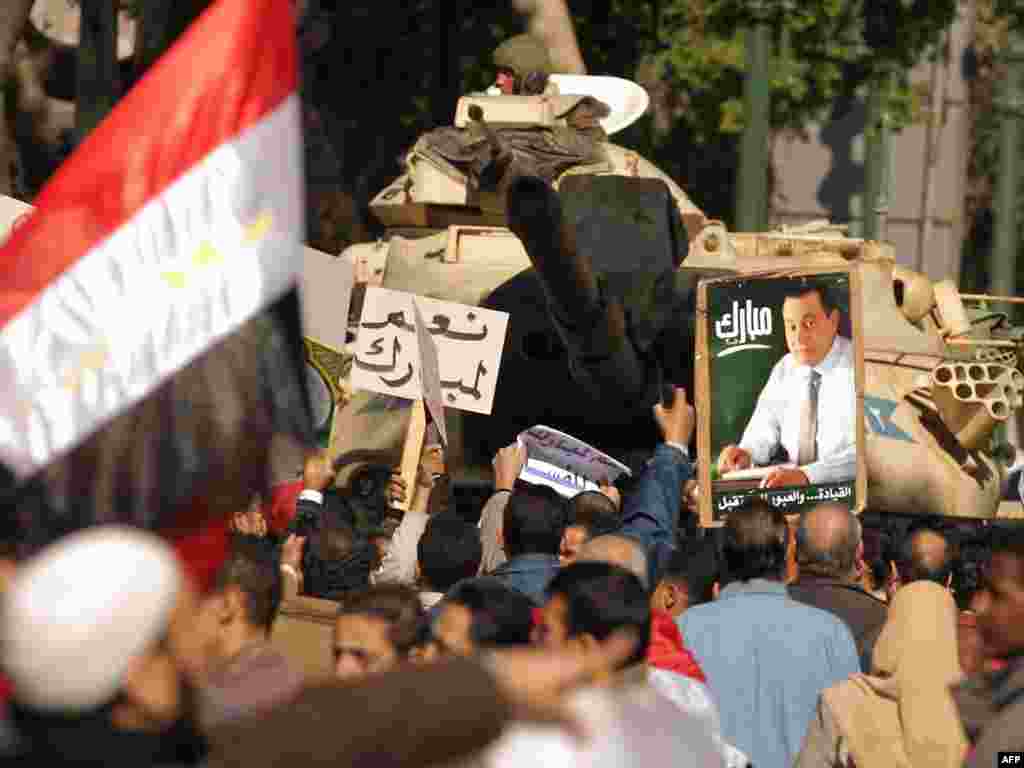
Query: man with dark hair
591, 514
766, 656
924, 554
830, 554
246, 675
375, 629
482, 613
448, 552
338, 562
113, 687
589, 601
807, 408
689, 577
531, 532
992, 705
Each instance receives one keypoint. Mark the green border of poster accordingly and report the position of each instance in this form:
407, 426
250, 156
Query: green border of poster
738, 369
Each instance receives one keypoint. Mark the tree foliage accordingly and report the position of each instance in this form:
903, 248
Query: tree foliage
382, 72
824, 51
995, 20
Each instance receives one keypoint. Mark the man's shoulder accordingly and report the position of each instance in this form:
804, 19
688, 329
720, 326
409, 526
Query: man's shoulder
815, 622
784, 367
828, 590
799, 629
847, 601
845, 352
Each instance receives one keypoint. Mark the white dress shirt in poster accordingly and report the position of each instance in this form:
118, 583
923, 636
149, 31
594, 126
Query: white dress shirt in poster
776, 418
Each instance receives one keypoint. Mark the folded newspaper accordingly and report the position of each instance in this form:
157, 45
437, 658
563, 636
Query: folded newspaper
565, 463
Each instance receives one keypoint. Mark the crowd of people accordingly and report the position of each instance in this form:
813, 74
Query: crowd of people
602, 629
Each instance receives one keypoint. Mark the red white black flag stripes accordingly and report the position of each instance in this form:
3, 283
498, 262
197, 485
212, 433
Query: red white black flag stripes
149, 328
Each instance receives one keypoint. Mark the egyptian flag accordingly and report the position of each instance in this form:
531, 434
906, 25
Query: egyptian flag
150, 342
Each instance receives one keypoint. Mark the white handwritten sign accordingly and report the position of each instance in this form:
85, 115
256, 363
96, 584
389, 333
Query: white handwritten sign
469, 343
745, 323
551, 447
430, 374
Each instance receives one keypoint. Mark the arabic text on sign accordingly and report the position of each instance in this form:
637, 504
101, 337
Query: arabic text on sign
744, 323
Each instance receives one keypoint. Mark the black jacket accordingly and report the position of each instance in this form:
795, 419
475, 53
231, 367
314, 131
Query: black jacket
864, 614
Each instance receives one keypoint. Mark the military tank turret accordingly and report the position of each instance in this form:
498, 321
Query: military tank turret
486, 213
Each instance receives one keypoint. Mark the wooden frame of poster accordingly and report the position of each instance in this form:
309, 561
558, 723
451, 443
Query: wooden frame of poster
714, 501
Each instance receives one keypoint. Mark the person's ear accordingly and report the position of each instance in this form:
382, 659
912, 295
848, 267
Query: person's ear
716, 588
660, 599
670, 596
8, 567
859, 563
419, 572
588, 645
895, 582
675, 596
231, 605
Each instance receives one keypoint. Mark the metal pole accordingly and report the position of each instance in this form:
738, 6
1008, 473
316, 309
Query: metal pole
876, 160
1003, 265
752, 179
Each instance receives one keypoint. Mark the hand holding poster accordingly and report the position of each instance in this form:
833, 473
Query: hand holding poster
469, 343
564, 463
781, 366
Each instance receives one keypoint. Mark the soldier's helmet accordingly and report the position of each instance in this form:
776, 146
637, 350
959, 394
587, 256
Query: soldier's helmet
525, 59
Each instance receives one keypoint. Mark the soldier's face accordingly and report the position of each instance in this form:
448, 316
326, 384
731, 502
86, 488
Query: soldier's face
809, 330
506, 81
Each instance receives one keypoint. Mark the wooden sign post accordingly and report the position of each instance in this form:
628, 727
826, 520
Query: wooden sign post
411, 450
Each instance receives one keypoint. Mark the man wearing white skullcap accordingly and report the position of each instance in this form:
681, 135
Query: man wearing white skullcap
97, 633
95, 637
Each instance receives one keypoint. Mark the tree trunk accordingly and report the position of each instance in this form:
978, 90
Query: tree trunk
161, 22
550, 21
449, 78
13, 17
98, 87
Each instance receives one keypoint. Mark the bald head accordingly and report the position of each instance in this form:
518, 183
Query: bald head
926, 555
616, 550
828, 540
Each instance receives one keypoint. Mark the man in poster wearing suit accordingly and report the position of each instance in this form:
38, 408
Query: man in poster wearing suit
807, 408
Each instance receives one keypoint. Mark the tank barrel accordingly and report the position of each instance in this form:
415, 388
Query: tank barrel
593, 330
496, 174
534, 214
476, 114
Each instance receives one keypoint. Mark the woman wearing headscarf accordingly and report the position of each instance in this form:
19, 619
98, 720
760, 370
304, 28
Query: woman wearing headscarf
902, 715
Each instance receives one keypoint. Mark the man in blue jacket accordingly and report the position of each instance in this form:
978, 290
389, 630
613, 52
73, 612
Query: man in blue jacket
766, 656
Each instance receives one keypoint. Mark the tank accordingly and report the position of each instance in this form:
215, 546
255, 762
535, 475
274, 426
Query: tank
938, 378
